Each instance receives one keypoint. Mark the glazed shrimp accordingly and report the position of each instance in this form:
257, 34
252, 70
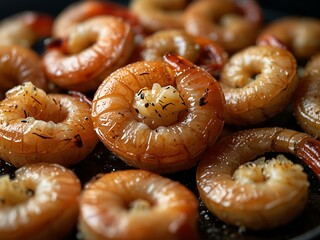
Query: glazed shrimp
258, 82
40, 127
306, 107
232, 25
41, 202
257, 196
199, 50
137, 204
78, 12
18, 65
25, 28
159, 115
299, 34
89, 54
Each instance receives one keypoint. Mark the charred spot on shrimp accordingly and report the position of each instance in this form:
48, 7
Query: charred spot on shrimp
203, 100
78, 141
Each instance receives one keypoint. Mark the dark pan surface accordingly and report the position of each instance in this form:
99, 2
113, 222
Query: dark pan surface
307, 226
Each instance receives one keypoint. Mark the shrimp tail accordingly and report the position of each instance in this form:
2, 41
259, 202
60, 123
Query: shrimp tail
308, 149
177, 62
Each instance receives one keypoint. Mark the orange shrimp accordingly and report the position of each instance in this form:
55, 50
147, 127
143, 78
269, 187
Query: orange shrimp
137, 204
306, 104
299, 34
258, 82
18, 65
199, 50
89, 54
78, 12
232, 25
159, 115
41, 202
25, 28
262, 194
40, 127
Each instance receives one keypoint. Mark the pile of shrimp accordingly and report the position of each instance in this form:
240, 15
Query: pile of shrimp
154, 89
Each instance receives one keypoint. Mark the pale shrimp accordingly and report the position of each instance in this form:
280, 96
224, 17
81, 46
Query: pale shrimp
94, 49
18, 65
137, 204
263, 194
301, 35
81, 11
306, 104
25, 28
258, 82
200, 50
159, 115
155, 15
40, 127
234, 25
41, 202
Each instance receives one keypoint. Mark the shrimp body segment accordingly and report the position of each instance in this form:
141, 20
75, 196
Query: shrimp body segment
159, 148
262, 194
93, 49
36, 127
137, 204
258, 82
41, 202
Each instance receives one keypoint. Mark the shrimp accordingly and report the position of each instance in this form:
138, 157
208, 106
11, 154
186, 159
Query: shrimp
137, 204
263, 194
41, 202
25, 28
258, 82
131, 113
78, 12
18, 65
155, 15
231, 24
40, 127
299, 34
89, 54
199, 50
306, 104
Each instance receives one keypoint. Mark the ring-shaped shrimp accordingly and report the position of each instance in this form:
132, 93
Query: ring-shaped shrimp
81, 11
40, 127
173, 123
41, 202
299, 34
232, 25
18, 65
258, 83
306, 104
137, 204
257, 196
25, 28
94, 49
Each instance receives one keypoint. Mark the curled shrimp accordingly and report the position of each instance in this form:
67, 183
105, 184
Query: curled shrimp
299, 34
306, 104
199, 50
137, 204
40, 127
18, 65
89, 54
81, 11
159, 115
234, 25
258, 82
257, 196
25, 28
40, 199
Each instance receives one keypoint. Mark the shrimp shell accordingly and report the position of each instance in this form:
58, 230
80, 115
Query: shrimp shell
171, 210
36, 127
50, 212
259, 205
164, 149
258, 83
